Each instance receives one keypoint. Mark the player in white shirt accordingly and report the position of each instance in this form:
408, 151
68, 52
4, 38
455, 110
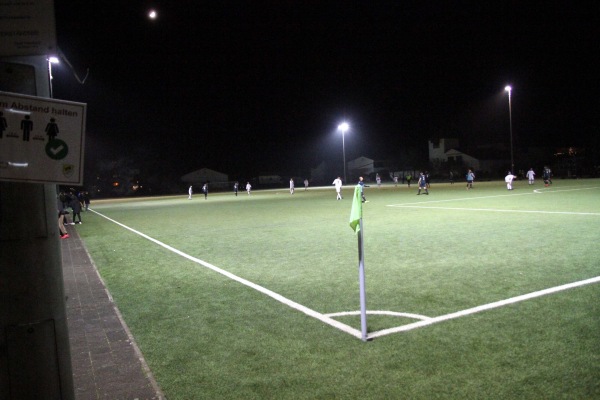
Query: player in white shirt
338, 187
530, 176
509, 180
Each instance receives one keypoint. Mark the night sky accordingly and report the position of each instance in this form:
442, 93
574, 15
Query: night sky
249, 87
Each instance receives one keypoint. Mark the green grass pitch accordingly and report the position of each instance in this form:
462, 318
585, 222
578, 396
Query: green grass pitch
244, 329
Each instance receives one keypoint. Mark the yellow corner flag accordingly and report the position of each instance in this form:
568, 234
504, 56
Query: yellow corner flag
356, 211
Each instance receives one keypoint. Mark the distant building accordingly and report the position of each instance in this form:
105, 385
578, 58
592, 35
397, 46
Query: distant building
270, 179
321, 174
445, 151
367, 168
491, 160
362, 166
215, 178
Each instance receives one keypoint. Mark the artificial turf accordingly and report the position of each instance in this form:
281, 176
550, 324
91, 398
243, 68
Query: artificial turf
205, 335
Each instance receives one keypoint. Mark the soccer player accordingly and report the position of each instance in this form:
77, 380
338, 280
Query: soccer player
337, 182
530, 176
422, 184
547, 176
509, 180
291, 185
190, 193
248, 187
470, 178
362, 185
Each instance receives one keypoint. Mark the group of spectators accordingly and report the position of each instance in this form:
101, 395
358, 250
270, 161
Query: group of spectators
75, 202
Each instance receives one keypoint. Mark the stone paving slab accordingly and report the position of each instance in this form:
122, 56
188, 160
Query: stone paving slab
106, 362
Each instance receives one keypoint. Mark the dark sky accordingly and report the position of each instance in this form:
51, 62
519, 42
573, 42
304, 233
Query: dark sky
260, 86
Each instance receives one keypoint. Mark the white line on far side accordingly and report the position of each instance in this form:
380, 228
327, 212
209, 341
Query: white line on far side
496, 210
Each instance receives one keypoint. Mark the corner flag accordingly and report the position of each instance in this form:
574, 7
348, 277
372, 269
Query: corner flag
355, 224
356, 211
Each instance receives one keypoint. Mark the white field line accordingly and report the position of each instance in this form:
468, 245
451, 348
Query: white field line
496, 210
481, 308
390, 313
327, 318
558, 189
534, 192
321, 317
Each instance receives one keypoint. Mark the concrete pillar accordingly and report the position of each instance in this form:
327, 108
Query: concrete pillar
35, 360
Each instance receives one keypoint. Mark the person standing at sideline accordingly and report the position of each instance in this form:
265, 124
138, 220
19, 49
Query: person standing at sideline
86, 200
291, 185
248, 187
305, 184
395, 181
408, 179
235, 188
66, 200
205, 191
470, 178
509, 180
61, 218
337, 182
530, 176
422, 184
451, 178
362, 185
378, 180
190, 193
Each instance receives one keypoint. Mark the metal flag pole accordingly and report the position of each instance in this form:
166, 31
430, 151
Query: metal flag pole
356, 223
361, 280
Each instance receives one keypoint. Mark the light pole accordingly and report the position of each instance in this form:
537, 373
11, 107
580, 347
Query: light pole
512, 160
344, 128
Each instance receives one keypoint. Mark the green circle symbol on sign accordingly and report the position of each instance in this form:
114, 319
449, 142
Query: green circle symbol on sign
57, 149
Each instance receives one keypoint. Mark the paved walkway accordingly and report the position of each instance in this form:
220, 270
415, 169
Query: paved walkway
107, 363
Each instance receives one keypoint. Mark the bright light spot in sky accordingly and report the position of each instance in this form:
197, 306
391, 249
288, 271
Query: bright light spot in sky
152, 14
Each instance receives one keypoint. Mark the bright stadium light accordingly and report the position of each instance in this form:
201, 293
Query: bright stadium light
343, 127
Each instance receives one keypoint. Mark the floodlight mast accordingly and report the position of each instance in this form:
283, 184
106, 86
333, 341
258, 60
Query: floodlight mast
343, 127
508, 89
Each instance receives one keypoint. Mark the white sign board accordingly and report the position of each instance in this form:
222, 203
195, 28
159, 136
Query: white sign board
41, 139
27, 28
